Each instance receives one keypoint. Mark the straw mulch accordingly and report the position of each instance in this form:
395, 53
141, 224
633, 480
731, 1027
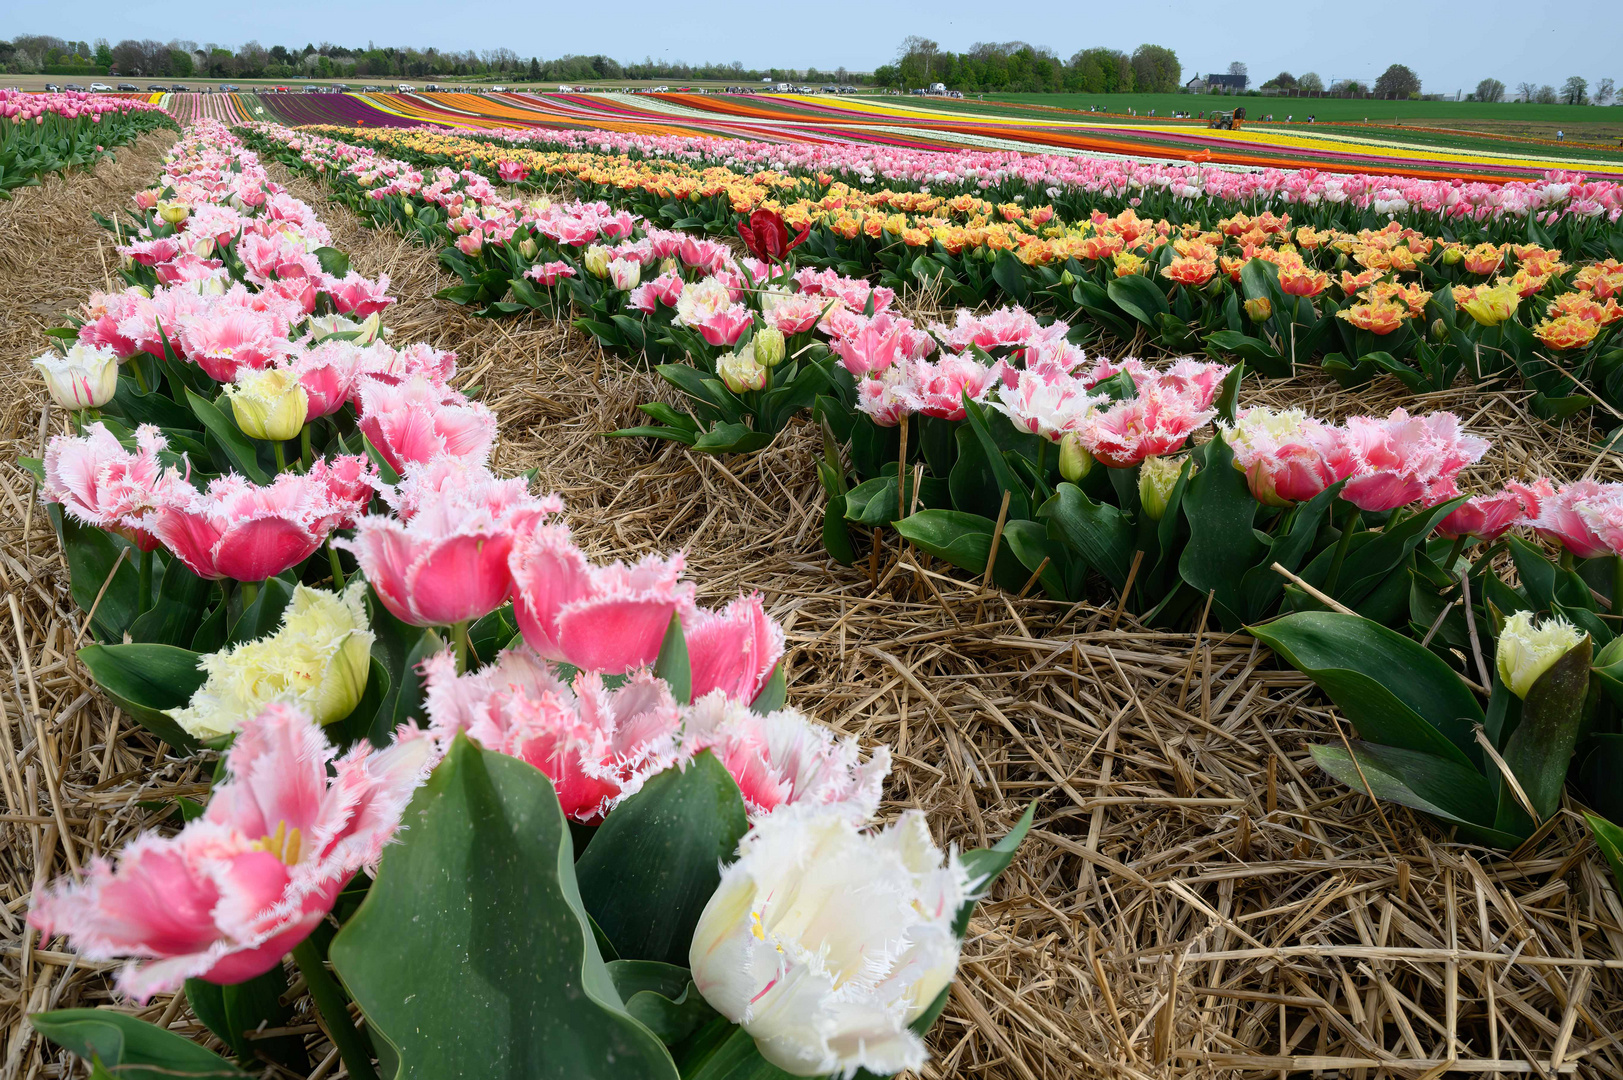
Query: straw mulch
1195, 898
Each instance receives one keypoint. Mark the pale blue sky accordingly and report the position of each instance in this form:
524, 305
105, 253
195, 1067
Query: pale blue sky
1449, 44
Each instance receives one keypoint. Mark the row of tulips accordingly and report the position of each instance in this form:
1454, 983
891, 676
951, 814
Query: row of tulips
1388, 301
996, 433
556, 810
46, 133
1580, 215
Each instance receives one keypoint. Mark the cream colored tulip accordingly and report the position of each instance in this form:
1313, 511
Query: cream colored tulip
86, 378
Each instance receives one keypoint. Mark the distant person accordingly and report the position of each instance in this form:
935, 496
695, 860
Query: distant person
1560, 136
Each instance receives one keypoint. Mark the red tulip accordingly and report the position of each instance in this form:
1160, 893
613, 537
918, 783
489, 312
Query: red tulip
767, 237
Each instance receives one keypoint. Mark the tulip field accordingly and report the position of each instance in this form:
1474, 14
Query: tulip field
738, 587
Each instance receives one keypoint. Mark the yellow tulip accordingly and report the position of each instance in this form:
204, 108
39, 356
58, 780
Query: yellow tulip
269, 404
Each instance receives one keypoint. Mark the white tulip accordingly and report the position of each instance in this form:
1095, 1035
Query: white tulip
1526, 652
86, 378
825, 942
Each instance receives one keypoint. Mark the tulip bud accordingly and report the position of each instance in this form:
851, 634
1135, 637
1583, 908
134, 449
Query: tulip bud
86, 378
1451, 256
1074, 460
1526, 652
1439, 330
669, 265
769, 346
597, 261
1259, 309
739, 372
625, 273
269, 404
527, 248
203, 248
174, 212
1341, 261
1067, 278
1490, 307
1156, 478
407, 207
471, 244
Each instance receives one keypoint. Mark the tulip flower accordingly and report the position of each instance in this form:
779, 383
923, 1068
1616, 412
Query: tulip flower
726, 326
1394, 461
767, 237
85, 378
1490, 307
698, 301
769, 346
599, 618
937, 388
825, 942
1158, 421
328, 374
319, 660
1380, 319
1526, 652
624, 274
1258, 309
783, 757
1047, 406
732, 650
1585, 517
359, 296
416, 421
1486, 517
365, 332
269, 404
596, 261
225, 898
99, 483
442, 558
1567, 332
598, 746
230, 339
244, 532
740, 373
1286, 455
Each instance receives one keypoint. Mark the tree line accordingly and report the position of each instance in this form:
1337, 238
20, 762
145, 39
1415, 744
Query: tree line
1575, 91
1019, 67
35, 54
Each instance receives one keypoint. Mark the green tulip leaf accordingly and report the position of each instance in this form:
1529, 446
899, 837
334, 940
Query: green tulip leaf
656, 860
1395, 691
499, 975
147, 681
129, 1048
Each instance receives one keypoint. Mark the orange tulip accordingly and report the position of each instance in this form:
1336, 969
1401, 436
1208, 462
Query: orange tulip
1379, 319
1566, 332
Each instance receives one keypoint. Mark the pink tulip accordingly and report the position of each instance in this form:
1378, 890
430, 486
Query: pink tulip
599, 618
225, 898
938, 388
1401, 459
1487, 517
881, 342
358, 296
417, 421
351, 480
328, 374
247, 533
1157, 422
784, 758
1585, 516
100, 483
598, 746
442, 558
1004, 328
511, 171
1286, 456
732, 650
550, 273
226, 341
726, 326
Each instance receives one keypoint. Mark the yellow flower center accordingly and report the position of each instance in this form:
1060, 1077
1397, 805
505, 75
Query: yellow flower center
284, 843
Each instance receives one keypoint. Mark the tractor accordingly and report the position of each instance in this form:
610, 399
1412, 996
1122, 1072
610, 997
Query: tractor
1228, 121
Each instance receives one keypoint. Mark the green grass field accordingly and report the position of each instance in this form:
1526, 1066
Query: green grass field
1379, 112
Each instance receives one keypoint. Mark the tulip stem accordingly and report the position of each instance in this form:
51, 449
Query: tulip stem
1042, 460
1454, 552
281, 455
329, 1002
250, 592
1617, 584
306, 456
459, 641
337, 568
1348, 525
140, 379
143, 596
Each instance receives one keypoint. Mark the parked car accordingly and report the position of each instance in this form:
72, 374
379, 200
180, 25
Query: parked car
100, 87
341, 88
369, 89
52, 88
128, 87
158, 87
498, 89
181, 88
228, 88
312, 89
407, 88
432, 88
73, 86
